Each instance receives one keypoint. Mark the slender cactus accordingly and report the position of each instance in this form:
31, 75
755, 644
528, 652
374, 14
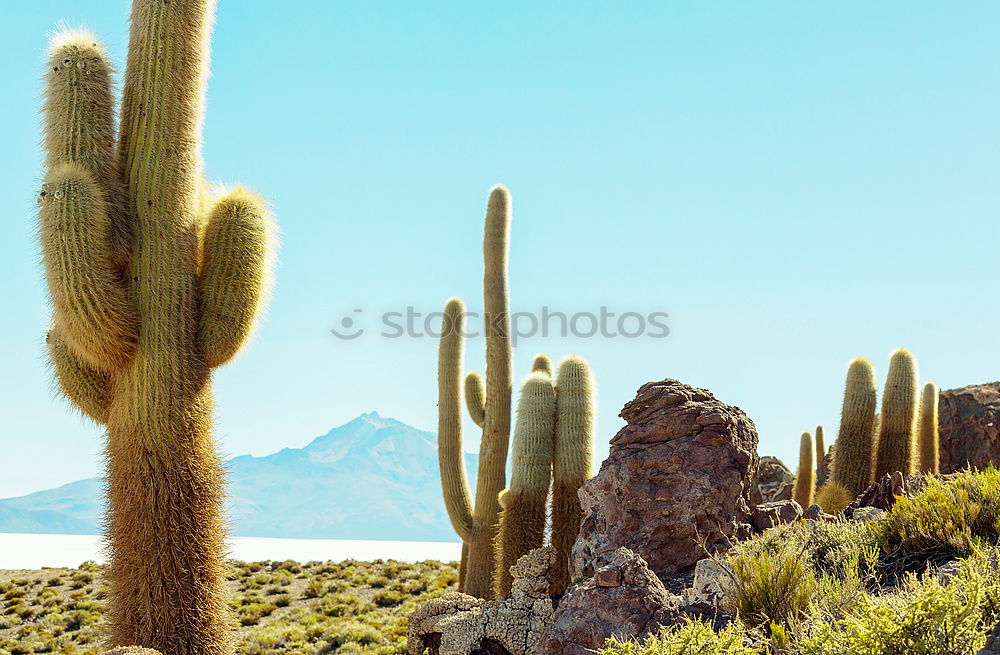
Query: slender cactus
805, 478
573, 461
476, 523
897, 440
522, 526
821, 472
151, 288
853, 452
930, 447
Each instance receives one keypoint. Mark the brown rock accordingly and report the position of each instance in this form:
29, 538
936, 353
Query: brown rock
881, 495
774, 481
590, 613
815, 513
678, 474
768, 515
969, 420
608, 576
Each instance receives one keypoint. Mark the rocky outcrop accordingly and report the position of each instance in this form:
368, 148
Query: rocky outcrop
969, 424
679, 475
774, 481
623, 598
459, 624
768, 515
880, 495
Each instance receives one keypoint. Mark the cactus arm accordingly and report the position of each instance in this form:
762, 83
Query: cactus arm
87, 388
91, 305
854, 450
573, 459
522, 523
542, 364
496, 426
475, 397
79, 125
454, 480
234, 273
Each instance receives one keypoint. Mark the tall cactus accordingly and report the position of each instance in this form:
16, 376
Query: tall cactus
573, 459
854, 450
927, 430
489, 407
522, 523
897, 439
152, 286
553, 448
805, 478
821, 472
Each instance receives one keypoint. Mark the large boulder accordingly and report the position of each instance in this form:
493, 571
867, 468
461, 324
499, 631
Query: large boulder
679, 475
623, 598
969, 420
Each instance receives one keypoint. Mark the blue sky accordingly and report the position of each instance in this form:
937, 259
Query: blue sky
795, 183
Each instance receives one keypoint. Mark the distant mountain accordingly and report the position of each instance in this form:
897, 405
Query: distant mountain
372, 478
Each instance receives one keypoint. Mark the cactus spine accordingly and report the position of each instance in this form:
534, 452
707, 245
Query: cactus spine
930, 447
805, 477
897, 435
853, 452
151, 287
542, 364
522, 524
488, 404
573, 461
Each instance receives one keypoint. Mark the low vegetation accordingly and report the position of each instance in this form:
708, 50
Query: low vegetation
923, 579
278, 607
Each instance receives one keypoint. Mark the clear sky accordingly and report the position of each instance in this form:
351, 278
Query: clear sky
795, 183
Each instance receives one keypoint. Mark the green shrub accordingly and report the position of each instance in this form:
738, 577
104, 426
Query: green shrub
692, 638
770, 588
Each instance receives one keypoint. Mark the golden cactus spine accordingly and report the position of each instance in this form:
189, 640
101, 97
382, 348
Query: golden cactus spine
151, 287
489, 405
897, 439
805, 478
542, 364
573, 459
930, 446
853, 452
522, 523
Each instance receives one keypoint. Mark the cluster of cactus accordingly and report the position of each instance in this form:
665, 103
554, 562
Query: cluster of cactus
153, 284
552, 444
903, 437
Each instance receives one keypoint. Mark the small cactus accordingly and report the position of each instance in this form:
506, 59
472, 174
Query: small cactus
927, 429
805, 477
833, 498
853, 452
897, 439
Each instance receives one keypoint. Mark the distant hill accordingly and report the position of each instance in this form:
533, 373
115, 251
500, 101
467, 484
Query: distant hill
372, 478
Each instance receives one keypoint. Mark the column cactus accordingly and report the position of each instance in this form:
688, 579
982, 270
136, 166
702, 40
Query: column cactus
897, 439
573, 459
821, 472
152, 286
553, 448
522, 522
854, 450
805, 478
489, 406
927, 430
